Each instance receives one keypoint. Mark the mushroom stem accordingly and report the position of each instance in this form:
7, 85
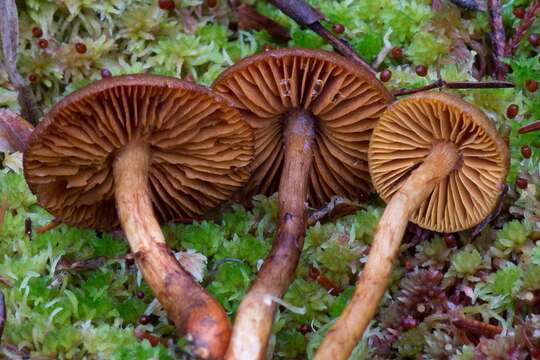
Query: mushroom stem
194, 312
348, 329
253, 322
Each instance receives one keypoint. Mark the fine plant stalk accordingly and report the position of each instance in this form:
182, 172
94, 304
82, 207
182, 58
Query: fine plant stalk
194, 312
253, 322
342, 337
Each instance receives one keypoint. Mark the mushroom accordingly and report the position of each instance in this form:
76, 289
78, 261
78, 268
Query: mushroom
133, 150
437, 161
313, 113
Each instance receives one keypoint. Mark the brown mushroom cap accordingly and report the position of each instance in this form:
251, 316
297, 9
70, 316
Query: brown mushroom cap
345, 99
200, 148
404, 137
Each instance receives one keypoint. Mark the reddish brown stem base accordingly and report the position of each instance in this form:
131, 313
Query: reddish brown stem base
195, 313
2, 313
253, 322
349, 327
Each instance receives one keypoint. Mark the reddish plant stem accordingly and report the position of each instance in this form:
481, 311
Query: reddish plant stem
440, 84
530, 127
152, 339
498, 38
528, 20
54, 223
325, 282
476, 327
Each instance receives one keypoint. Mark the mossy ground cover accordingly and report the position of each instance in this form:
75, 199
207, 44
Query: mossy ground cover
458, 297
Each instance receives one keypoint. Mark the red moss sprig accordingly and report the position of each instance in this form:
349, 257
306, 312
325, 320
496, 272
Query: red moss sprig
525, 24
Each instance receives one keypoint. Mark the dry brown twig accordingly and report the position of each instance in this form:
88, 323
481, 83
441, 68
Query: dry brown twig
530, 127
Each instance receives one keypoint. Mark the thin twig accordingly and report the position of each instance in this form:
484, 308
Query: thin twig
325, 282
530, 127
528, 20
54, 223
476, 327
305, 15
336, 207
497, 37
440, 84
9, 34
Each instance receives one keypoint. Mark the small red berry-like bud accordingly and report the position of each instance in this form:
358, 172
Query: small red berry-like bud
526, 151
314, 273
409, 322
32, 78
421, 70
304, 329
531, 85
267, 47
450, 240
363, 196
519, 12
211, 3
409, 265
144, 320
166, 4
37, 32
42, 44
140, 294
80, 48
521, 183
511, 111
385, 75
105, 73
396, 53
338, 29
534, 40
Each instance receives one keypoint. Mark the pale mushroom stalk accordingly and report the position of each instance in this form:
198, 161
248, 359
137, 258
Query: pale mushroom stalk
438, 162
345, 333
194, 312
253, 322
312, 113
